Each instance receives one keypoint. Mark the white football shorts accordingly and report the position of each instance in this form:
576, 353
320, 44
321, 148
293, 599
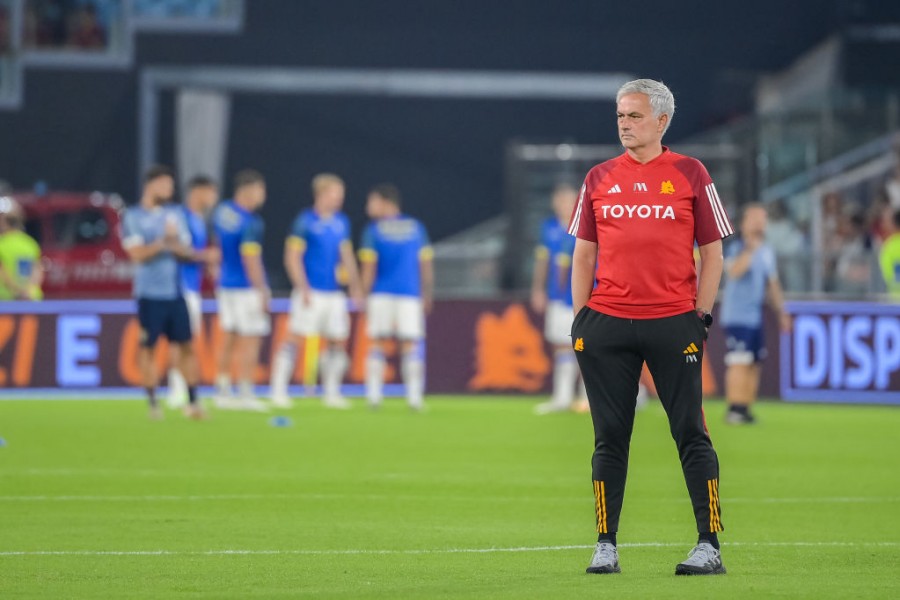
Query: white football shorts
326, 315
241, 311
558, 323
195, 311
392, 315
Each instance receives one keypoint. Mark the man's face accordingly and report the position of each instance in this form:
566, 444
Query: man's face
754, 223
638, 128
162, 189
256, 195
564, 203
331, 199
374, 206
204, 197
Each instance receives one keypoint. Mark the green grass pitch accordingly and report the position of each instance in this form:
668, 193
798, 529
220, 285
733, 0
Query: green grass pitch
477, 498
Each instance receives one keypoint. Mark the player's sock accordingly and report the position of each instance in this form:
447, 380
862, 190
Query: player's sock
151, 396
413, 368
177, 386
582, 390
607, 538
283, 370
223, 384
192, 395
710, 538
375, 365
246, 389
333, 368
565, 374
740, 409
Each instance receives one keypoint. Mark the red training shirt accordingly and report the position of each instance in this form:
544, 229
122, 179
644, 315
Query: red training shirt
645, 219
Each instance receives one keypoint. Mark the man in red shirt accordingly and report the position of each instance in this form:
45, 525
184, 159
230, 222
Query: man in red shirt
636, 222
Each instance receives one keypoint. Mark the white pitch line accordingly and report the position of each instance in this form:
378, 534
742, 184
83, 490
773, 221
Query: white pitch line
351, 552
393, 497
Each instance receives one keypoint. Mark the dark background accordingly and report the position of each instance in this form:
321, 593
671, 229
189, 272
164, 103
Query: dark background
77, 129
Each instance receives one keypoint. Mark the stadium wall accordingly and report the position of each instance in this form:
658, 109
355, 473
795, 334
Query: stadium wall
837, 352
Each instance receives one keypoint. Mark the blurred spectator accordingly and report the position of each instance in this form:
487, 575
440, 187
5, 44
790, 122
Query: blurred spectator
55, 24
832, 221
21, 274
853, 268
85, 30
790, 247
889, 258
880, 216
892, 184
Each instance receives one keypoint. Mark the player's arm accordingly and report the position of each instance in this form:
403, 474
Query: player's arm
709, 275
36, 280
368, 260
539, 279
136, 247
426, 276
584, 264
368, 266
776, 301
737, 266
251, 259
348, 261
294, 249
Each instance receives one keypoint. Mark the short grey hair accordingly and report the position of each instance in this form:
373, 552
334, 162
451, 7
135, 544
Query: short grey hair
661, 99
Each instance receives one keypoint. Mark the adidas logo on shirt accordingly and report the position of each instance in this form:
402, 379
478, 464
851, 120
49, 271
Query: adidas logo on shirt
615, 189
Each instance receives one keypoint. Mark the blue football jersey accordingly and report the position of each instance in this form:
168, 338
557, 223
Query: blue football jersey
552, 235
398, 244
239, 233
192, 272
320, 239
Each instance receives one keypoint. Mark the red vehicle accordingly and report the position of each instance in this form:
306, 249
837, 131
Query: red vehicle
79, 238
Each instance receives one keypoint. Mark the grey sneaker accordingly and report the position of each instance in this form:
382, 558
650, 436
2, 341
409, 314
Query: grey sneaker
703, 560
605, 559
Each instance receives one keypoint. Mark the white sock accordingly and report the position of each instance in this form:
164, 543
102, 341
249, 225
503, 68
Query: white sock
246, 389
413, 369
582, 391
565, 373
177, 387
334, 365
223, 385
283, 370
375, 365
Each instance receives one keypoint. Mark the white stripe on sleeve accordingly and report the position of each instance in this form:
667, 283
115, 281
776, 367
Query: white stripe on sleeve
722, 210
573, 226
720, 223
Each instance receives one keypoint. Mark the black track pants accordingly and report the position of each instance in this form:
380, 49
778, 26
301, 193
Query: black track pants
611, 352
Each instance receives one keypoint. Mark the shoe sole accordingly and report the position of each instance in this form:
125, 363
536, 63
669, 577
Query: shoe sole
603, 570
686, 570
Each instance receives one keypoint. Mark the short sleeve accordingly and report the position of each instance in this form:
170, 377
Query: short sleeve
131, 237
711, 223
367, 252
583, 224
346, 222
251, 237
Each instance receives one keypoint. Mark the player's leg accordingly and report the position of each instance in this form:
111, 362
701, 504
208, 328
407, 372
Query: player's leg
178, 387
335, 361
673, 348
379, 326
557, 326
300, 324
180, 334
228, 318
253, 325
741, 375
410, 319
606, 349
150, 321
